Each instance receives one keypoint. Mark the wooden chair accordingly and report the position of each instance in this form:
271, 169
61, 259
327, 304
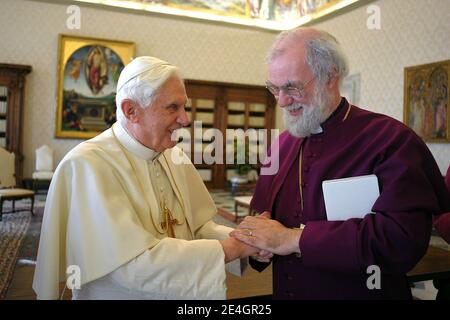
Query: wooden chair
243, 201
8, 190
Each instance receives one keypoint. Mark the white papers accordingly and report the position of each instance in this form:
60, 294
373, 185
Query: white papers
350, 197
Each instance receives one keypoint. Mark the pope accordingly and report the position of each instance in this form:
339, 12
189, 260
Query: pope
135, 224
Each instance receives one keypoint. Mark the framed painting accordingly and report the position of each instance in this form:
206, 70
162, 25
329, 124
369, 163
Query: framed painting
351, 87
426, 101
88, 71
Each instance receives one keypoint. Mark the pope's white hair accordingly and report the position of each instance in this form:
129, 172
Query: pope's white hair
143, 88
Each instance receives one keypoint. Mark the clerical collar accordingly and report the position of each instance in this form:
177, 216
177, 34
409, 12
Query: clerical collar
334, 116
132, 145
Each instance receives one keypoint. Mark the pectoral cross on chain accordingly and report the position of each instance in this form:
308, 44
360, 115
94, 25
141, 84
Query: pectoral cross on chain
168, 222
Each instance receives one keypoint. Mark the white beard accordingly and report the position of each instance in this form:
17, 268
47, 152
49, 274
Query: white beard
313, 115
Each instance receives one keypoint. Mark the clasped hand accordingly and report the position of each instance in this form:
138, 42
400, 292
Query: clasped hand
270, 236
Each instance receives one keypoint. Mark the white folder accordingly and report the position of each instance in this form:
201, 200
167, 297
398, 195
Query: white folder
350, 197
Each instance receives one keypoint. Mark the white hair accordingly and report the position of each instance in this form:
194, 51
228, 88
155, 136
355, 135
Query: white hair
324, 55
143, 88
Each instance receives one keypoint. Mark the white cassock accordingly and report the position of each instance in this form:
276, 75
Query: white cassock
103, 215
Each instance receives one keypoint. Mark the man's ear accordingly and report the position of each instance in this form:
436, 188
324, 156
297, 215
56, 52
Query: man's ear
130, 110
333, 79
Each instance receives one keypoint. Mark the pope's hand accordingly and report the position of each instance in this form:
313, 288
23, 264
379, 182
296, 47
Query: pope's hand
263, 256
235, 249
267, 234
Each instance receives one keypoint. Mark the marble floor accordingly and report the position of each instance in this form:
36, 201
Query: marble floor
223, 199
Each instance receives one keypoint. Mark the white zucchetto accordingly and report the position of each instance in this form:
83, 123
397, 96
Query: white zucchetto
156, 68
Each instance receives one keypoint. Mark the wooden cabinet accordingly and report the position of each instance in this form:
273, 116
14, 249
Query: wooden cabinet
12, 85
223, 106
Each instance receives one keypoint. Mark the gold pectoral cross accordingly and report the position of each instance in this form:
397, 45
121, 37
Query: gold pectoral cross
168, 222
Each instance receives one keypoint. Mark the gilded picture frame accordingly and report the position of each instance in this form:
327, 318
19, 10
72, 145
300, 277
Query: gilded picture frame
88, 70
427, 100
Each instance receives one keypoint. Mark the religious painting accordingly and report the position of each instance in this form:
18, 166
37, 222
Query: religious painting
426, 101
267, 14
88, 71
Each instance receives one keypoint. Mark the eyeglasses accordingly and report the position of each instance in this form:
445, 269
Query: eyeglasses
291, 90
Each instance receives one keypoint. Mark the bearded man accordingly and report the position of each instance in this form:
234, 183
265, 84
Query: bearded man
328, 138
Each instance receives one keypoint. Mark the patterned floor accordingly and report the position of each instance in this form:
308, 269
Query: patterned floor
13, 228
223, 199
28, 249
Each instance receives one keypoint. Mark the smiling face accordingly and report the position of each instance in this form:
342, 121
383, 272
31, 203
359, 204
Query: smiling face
153, 126
303, 113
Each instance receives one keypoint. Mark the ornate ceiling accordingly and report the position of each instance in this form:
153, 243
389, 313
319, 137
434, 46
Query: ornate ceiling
266, 14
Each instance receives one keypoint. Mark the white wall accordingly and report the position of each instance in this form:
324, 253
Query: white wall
412, 32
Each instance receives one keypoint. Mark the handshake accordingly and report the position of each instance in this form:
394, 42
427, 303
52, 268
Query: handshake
260, 237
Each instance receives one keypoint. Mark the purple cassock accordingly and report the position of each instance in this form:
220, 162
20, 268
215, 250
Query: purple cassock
442, 222
336, 254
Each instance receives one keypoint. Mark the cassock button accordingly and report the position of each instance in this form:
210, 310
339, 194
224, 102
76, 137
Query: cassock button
290, 278
304, 184
306, 169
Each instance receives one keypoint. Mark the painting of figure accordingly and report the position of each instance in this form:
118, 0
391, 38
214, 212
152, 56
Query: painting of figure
417, 105
427, 101
439, 101
90, 70
96, 67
